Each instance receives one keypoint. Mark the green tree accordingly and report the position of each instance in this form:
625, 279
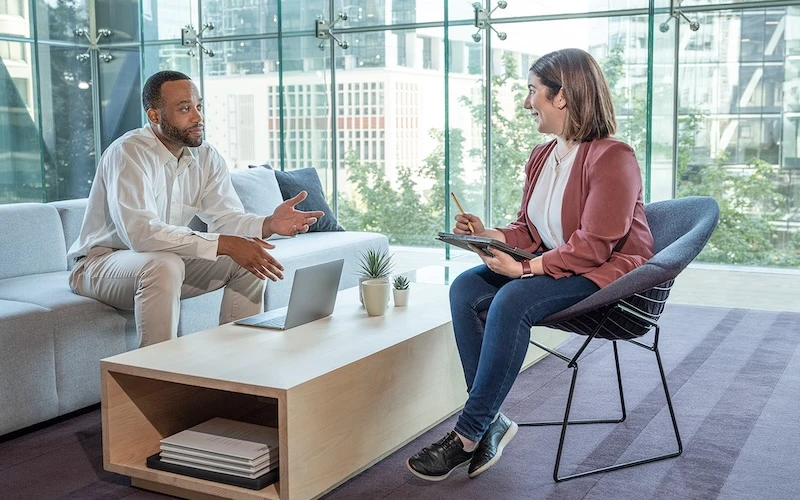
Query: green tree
375, 205
513, 137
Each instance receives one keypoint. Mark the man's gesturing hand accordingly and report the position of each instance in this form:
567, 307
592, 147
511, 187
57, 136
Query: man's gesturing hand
251, 254
287, 220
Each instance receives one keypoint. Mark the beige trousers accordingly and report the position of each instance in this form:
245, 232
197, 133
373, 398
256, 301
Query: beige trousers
152, 284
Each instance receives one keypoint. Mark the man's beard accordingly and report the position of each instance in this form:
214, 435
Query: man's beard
175, 134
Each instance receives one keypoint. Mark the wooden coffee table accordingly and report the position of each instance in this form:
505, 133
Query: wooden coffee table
343, 392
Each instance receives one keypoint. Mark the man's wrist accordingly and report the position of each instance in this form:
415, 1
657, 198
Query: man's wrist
266, 228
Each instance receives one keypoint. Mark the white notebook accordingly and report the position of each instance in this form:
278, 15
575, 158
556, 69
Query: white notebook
221, 470
228, 468
216, 457
229, 438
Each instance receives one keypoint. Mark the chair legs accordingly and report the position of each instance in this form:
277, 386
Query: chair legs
572, 363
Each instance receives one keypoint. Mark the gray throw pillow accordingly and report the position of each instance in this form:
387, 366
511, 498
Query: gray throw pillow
293, 181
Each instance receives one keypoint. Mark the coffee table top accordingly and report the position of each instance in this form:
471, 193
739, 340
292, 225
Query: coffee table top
266, 362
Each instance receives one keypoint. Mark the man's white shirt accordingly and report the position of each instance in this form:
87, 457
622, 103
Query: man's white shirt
143, 198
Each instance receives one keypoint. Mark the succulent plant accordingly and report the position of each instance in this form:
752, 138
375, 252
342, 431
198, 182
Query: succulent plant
400, 282
375, 263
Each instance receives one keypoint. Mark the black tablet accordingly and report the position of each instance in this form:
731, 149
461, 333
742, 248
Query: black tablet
483, 244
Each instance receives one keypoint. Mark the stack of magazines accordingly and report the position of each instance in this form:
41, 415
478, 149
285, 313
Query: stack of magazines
222, 450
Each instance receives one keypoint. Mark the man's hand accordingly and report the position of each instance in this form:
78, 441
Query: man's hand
287, 220
251, 254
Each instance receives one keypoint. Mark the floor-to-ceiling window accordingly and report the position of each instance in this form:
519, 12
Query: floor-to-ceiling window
398, 102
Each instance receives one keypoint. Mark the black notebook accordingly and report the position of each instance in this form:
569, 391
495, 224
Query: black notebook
155, 462
485, 245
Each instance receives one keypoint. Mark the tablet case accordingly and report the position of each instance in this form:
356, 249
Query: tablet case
464, 240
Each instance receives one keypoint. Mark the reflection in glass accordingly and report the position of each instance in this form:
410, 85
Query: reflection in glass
66, 100
16, 18
120, 94
20, 161
164, 20
120, 17
231, 17
59, 20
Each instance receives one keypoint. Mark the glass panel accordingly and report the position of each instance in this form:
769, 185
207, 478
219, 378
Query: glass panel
122, 18
518, 8
241, 112
172, 57
244, 17
662, 174
66, 100
20, 159
16, 20
120, 94
711, 3
732, 147
164, 20
620, 47
467, 116
390, 132
59, 20
301, 15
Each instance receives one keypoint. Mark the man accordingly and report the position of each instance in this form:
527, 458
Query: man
135, 250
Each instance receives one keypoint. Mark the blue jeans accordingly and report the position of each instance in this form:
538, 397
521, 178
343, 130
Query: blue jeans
492, 352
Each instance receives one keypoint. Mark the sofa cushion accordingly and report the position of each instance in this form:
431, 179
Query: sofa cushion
258, 190
27, 376
48, 290
27, 251
293, 181
83, 331
71, 213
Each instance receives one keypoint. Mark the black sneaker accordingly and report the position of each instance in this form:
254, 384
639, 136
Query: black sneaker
438, 460
490, 448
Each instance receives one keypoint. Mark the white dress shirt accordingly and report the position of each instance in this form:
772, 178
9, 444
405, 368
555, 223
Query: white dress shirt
544, 206
143, 197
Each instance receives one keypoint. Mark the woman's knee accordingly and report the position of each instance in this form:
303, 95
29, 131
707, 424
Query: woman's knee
465, 285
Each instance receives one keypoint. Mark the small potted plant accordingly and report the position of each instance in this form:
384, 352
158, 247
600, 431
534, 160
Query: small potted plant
374, 263
400, 290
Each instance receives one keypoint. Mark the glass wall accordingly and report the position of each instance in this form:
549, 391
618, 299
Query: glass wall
409, 100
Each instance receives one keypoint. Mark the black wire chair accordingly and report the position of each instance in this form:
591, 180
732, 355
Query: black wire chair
630, 307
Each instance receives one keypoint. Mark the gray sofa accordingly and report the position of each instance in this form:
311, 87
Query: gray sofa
51, 339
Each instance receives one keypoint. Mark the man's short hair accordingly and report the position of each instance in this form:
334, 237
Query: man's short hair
151, 93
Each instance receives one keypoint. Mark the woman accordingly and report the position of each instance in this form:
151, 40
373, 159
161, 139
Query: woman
582, 209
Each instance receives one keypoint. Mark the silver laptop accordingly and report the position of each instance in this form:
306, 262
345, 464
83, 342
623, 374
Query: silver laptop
313, 296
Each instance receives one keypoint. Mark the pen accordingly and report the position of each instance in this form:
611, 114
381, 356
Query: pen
469, 224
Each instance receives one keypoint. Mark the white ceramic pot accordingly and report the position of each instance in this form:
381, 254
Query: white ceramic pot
376, 296
400, 297
361, 288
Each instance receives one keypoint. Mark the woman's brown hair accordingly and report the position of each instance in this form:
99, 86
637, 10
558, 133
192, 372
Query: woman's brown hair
590, 110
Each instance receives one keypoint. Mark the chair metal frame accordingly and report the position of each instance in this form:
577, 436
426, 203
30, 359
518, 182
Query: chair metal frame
572, 362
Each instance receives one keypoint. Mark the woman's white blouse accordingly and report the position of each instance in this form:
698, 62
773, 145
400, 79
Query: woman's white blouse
544, 206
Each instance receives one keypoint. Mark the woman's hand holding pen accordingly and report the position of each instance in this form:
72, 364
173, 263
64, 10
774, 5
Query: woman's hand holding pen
464, 220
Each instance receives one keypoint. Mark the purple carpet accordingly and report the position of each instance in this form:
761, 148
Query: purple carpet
735, 380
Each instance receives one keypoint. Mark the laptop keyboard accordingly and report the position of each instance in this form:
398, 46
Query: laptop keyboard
273, 322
